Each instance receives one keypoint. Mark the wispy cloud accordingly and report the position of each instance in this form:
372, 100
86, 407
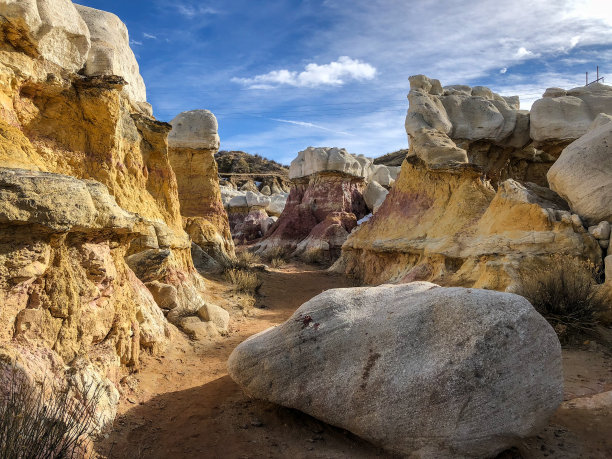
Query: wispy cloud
149, 36
135, 43
335, 73
504, 70
192, 11
311, 125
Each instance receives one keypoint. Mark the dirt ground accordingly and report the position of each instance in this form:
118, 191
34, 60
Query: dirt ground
184, 404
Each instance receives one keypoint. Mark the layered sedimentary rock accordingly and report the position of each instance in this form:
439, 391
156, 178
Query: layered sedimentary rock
65, 289
450, 226
420, 370
85, 182
251, 213
583, 173
561, 116
456, 218
193, 143
460, 124
326, 200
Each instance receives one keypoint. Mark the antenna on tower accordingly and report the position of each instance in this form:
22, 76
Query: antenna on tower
598, 78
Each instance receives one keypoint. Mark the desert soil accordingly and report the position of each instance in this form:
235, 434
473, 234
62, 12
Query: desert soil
184, 404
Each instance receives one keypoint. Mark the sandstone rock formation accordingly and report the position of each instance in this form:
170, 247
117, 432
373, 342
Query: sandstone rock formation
326, 200
65, 288
459, 124
251, 213
86, 184
314, 160
583, 173
193, 143
561, 116
454, 216
110, 52
406, 376
52, 29
451, 227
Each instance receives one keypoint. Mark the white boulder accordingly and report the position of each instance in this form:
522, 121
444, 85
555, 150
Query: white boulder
374, 195
195, 129
420, 370
437, 117
257, 200
57, 31
566, 115
583, 173
238, 201
110, 52
277, 204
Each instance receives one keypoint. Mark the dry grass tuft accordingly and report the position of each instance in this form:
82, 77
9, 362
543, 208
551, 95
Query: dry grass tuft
278, 253
33, 424
243, 280
565, 292
278, 262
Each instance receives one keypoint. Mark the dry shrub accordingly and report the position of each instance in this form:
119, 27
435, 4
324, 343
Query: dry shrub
242, 280
278, 262
281, 254
45, 422
564, 290
246, 259
246, 303
313, 257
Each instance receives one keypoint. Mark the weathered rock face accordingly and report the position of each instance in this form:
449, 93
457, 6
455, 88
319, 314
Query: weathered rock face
406, 376
451, 227
70, 38
65, 289
110, 52
326, 201
459, 124
193, 143
250, 212
85, 182
561, 116
325, 159
583, 173
311, 201
52, 29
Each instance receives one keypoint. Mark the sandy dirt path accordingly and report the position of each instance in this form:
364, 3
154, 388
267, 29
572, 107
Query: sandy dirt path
184, 404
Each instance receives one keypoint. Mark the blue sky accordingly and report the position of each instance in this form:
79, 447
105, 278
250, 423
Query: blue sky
281, 75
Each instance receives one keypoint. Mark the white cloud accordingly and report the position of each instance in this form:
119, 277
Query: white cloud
192, 11
333, 74
504, 70
310, 125
574, 41
523, 52
149, 36
135, 43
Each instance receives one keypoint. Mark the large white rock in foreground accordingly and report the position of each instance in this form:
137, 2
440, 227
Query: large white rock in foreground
110, 52
583, 173
415, 368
